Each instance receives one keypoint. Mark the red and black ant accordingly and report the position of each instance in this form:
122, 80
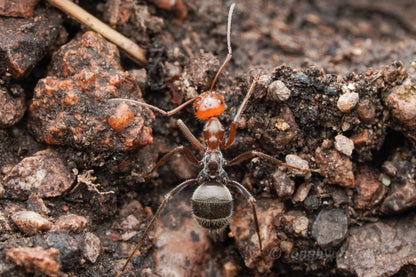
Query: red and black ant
212, 203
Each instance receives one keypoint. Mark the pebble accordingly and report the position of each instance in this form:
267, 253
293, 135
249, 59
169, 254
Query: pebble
13, 106
347, 101
338, 169
43, 174
298, 162
283, 185
278, 91
330, 227
31, 222
344, 145
91, 247
302, 192
401, 100
35, 259
69, 248
18, 8
370, 191
300, 225
70, 223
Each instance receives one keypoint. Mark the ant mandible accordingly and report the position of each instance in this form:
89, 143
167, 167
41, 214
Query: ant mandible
212, 203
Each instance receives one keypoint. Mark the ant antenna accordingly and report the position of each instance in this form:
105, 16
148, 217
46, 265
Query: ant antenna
229, 55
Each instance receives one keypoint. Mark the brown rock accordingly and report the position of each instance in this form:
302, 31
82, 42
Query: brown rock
243, 229
30, 222
43, 174
379, 249
337, 168
18, 8
70, 223
12, 106
370, 191
181, 249
401, 100
35, 259
25, 41
91, 247
73, 107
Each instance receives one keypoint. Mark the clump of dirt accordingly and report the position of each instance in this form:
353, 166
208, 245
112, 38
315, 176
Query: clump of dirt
336, 93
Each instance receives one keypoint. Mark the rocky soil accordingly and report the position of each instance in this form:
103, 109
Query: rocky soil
336, 93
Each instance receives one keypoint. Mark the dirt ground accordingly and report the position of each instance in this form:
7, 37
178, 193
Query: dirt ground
336, 91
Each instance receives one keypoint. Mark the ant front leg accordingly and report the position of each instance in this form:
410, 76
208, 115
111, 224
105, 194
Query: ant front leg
166, 198
251, 154
240, 110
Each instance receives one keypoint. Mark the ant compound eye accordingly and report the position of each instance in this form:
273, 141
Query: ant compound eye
196, 109
220, 101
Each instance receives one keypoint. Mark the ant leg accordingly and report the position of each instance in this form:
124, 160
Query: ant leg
252, 201
169, 155
189, 136
165, 113
251, 154
166, 198
243, 104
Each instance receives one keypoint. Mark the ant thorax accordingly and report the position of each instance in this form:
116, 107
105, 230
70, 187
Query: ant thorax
213, 170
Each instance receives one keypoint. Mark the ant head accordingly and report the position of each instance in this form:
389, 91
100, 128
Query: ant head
208, 104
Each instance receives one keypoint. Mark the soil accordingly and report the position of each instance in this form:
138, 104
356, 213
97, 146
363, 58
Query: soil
336, 89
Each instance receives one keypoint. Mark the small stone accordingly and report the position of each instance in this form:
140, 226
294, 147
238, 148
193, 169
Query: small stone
35, 259
18, 8
30, 222
300, 225
344, 145
302, 192
230, 269
91, 247
25, 41
70, 223
330, 227
402, 102
12, 106
278, 91
370, 191
283, 185
4, 224
44, 174
36, 204
389, 168
338, 169
265, 80
298, 162
286, 246
68, 247
366, 110
347, 101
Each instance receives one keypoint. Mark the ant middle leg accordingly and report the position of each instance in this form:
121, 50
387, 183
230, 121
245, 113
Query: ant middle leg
168, 156
251, 154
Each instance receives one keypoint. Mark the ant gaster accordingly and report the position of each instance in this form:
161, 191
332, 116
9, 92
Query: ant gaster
212, 203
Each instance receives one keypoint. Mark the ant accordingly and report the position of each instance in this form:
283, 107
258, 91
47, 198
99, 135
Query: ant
211, 202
